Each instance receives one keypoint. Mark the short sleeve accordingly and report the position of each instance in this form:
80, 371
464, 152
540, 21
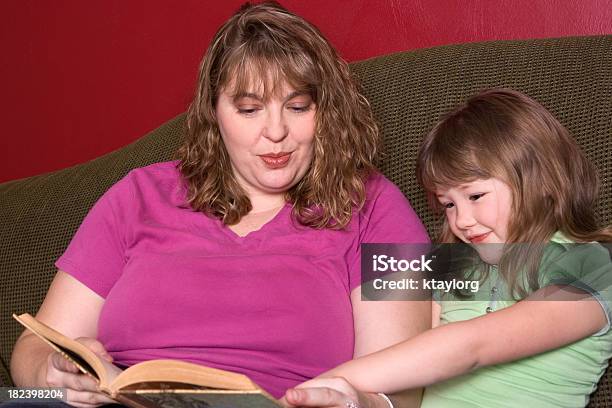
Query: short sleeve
386, 217
586, 267
96, 254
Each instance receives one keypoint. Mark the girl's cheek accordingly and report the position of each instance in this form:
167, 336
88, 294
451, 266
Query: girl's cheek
450, 217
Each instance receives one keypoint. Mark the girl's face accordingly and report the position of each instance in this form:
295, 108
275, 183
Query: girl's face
478, 213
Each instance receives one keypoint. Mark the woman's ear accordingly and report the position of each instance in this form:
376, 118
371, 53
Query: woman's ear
213, 107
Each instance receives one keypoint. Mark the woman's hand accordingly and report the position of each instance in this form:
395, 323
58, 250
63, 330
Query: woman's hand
330, 392
81, 389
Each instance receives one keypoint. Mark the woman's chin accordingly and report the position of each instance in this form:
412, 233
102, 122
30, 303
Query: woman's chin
277, 183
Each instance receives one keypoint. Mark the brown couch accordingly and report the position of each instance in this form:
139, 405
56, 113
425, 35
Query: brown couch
408, 92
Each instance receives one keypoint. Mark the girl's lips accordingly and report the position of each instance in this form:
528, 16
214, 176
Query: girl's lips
275, 161
478, 238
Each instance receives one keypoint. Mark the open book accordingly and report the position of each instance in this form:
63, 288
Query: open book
157, 383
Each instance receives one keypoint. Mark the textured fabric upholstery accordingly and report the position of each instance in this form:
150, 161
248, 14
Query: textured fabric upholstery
408, 91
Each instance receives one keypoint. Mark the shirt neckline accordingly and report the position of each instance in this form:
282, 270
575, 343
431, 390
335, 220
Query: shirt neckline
255, 235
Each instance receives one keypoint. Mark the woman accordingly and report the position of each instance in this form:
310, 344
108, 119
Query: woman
244, 253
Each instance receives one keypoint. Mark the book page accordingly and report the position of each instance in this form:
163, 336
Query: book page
164, 371
80, 355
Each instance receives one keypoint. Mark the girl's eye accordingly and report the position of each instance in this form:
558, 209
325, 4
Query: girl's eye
448, 205
475, 197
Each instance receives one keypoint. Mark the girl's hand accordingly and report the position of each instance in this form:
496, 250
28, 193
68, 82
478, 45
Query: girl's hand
330, 392
81, 389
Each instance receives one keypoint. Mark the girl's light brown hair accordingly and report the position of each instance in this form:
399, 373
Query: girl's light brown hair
505, 134
259, 48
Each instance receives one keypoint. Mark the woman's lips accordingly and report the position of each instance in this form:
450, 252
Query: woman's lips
478, 238
275, 160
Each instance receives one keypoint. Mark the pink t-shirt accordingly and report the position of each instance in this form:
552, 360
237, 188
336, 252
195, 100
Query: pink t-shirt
177, 284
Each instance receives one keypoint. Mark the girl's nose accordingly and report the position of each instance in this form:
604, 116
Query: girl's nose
464, 218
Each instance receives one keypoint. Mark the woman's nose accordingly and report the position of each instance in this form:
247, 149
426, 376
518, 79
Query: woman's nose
276, 128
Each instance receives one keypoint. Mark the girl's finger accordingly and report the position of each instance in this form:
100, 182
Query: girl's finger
318, 397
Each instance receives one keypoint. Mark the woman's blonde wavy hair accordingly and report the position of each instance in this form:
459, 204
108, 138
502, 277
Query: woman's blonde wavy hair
505, 134
265, 45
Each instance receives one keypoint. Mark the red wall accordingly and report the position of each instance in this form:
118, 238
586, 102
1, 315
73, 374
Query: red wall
82, 78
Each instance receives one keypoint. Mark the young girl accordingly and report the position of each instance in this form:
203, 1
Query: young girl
504, 171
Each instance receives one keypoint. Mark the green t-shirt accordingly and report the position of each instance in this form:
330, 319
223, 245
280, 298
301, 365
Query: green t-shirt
564, 377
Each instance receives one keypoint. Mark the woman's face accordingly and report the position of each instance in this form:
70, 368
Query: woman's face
269, 142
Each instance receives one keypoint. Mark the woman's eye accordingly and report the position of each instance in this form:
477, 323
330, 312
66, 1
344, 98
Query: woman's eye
299, 108
475, 197
247, 111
